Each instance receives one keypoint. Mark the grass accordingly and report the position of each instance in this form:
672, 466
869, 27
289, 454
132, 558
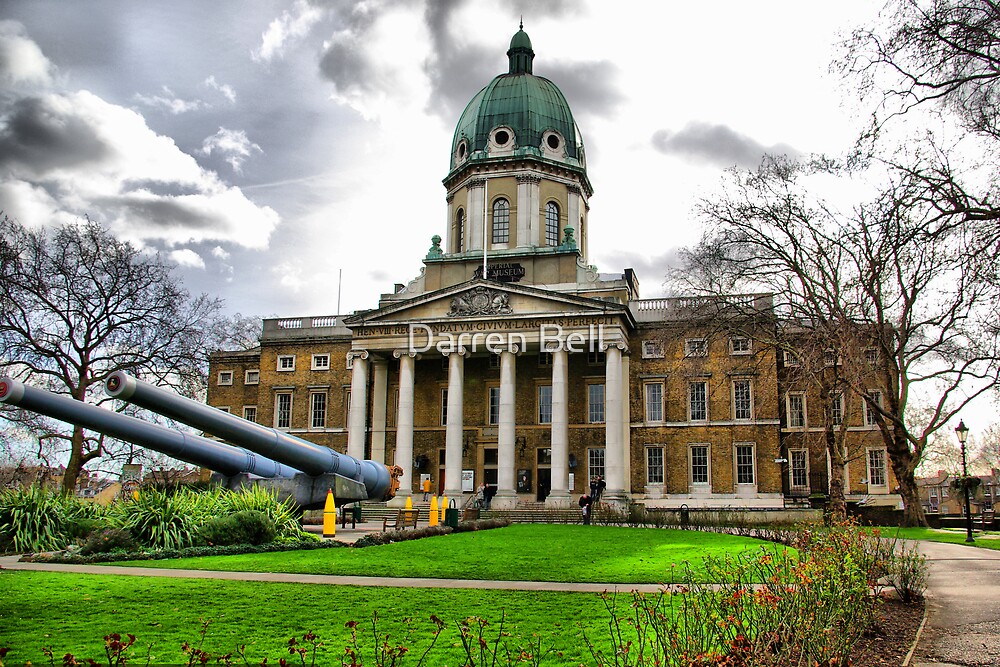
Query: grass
71, 613
561, 553
987, 540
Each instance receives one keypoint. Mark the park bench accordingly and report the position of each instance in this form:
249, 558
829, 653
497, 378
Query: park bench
402, 520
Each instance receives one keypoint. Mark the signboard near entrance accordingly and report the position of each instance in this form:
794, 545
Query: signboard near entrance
507, 272
468, 481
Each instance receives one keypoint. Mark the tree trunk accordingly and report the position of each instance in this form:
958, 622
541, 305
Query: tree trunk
838, 506
75, 463
903, 464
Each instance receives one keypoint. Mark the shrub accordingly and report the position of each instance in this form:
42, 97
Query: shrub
244, 527
33, 519
908, 573
108, 539
284, 515
162, 520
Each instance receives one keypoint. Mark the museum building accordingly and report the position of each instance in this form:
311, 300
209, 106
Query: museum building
511, 361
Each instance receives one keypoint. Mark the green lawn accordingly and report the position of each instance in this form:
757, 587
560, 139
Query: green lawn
988, 540
520, 552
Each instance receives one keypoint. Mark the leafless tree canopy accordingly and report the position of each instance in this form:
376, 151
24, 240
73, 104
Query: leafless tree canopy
78, 304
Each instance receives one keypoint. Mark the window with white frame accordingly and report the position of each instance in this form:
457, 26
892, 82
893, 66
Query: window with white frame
444, 407
871, 413
251, 377
700, 465
459, 230
494, 406
654, 465
876, 468
798, 468
286, 362
742, 399
595, 462
595, 403
250, 413
698, 401
321, 362
652, 349
837, 408
746, 463
739, 345
225, 378
545, 404
551, 224
654, 401
796, 406
223, 408
283, 410
695, 347
347, 405
317, 409
501, 221
791, 359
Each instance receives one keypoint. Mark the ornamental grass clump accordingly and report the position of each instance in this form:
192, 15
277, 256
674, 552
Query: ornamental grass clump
164, 520
283, 514
37, 519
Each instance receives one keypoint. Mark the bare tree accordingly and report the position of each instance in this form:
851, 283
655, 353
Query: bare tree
78, 304
890, 274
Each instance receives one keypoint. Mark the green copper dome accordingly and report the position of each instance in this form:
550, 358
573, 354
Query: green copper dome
530, 108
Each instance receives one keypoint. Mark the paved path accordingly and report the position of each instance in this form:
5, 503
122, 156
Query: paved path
963, 602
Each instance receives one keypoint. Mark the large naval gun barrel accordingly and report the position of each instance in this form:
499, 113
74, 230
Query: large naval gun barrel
359, 480
193, 449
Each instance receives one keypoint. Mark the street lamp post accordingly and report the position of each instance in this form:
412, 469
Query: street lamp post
962, 431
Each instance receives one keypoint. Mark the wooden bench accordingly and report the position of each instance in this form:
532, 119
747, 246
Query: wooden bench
402, 520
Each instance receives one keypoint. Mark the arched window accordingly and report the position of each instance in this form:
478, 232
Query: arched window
460, 230
551, 223
501, 221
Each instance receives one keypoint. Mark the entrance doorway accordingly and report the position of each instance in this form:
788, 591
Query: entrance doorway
544, 473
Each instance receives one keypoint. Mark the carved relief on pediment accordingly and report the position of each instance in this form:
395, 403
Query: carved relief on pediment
480, 301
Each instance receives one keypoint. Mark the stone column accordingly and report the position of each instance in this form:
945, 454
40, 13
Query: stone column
559, 497
614, 459
626, 424
506, 496
474, 213
404, 426
527, 210
380, 391
573, 214
357, 419
454, 427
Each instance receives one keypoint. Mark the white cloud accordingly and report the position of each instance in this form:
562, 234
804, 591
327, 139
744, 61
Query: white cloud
220, 253
234, 144
289, 26
224, 88
21, 61
187, 257
289, 275
169, 102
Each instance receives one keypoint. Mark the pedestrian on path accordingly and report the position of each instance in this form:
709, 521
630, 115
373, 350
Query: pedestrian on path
585, 507
426, 487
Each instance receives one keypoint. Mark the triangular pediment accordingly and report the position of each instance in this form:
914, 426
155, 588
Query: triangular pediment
484, 299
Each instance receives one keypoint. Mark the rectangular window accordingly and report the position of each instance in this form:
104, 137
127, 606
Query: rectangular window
695, 347
799, 468
654, 402
745, 463
739, 345
347, 405
444, 407
545, 404
871, 414
251, 377
321, 362
250, 413
225, 378
595, 463
595, 404
286, 362
742, 400
595, 358
317, 410
224, 408
494, 403
283, 410
876, 467
700, 468
654, 465
544, 358
837, 409
830, 358
652, 349
698, 401
791, 359
871, 355
494, 361
796, 410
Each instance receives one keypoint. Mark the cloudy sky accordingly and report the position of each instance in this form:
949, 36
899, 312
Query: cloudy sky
266, 146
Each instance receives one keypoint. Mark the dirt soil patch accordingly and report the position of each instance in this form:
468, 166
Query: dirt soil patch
890, 639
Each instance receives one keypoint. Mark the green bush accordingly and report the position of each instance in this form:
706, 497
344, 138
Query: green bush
244, 527
163, 520
33, 519
108, 539
284, 515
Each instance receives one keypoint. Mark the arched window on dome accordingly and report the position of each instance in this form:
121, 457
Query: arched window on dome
460, 230
552, 223
501, 221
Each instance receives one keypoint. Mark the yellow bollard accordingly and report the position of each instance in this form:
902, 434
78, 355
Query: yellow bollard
409, 502
444, 504
330, 516
432, 517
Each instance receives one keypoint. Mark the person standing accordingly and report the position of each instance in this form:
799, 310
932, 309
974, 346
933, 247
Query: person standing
585, 507
426, 486
601, 485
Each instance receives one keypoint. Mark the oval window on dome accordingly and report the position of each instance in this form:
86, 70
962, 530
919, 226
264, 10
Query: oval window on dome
553, 141
502, 137
461, 150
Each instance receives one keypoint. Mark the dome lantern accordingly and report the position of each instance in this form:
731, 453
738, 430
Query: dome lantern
520, 54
